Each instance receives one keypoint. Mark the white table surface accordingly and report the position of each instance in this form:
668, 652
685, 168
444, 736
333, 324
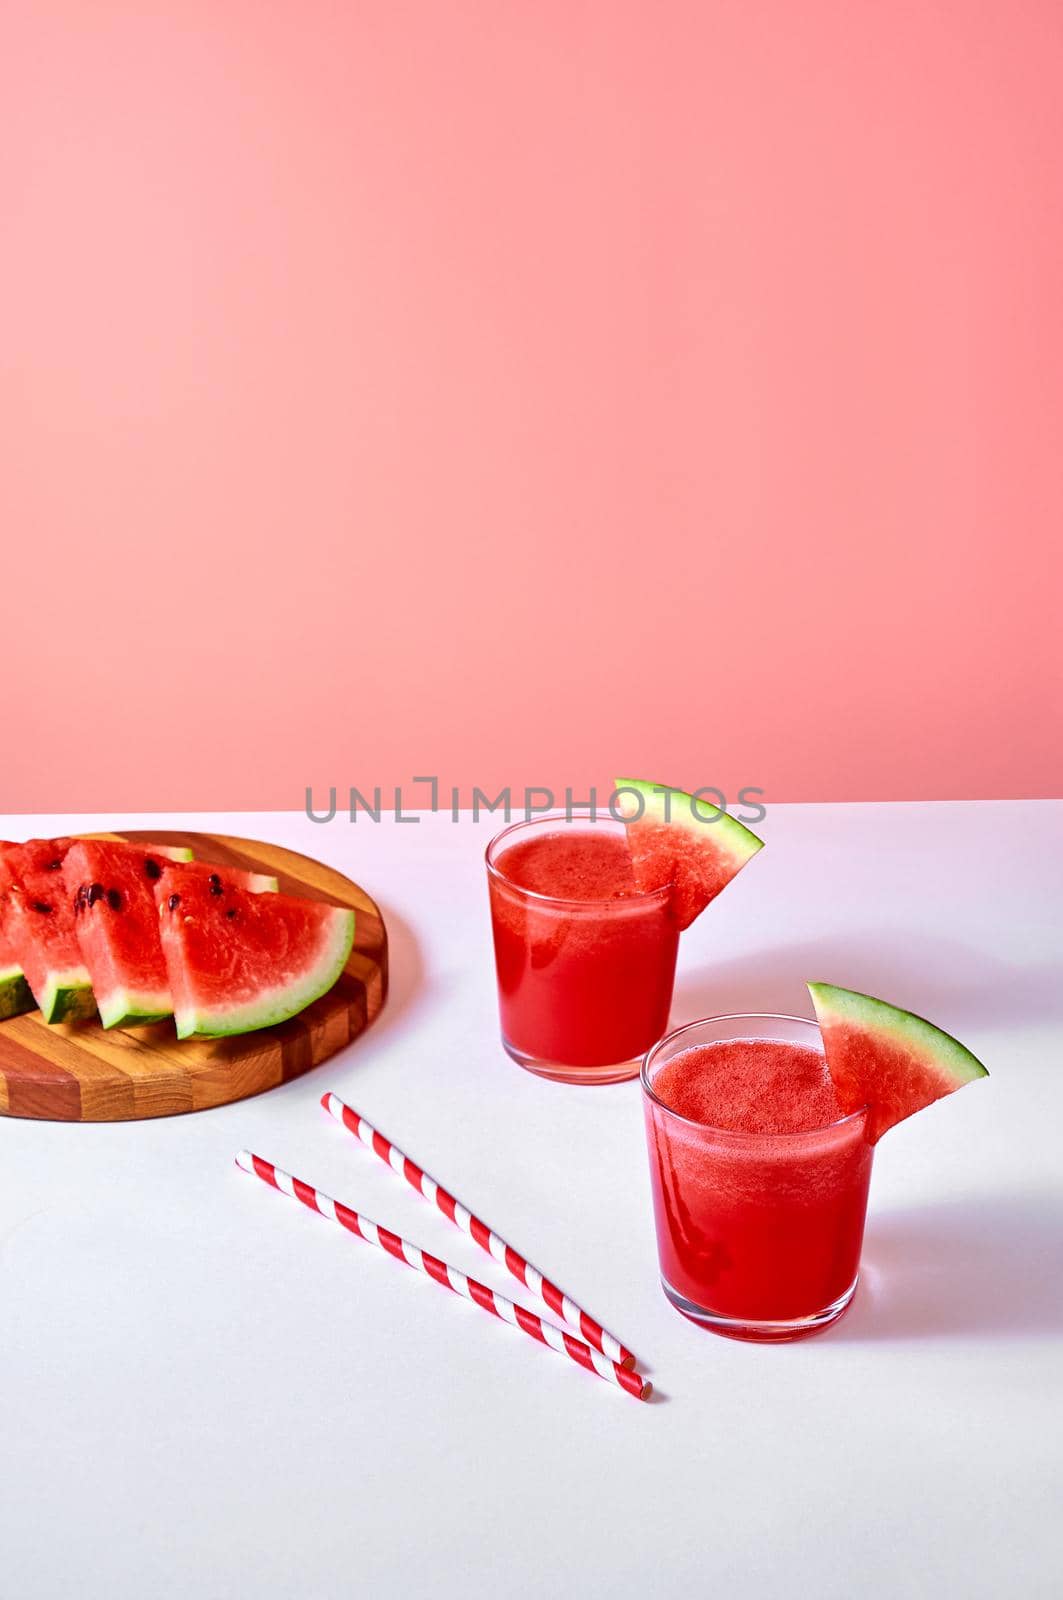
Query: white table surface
209, 1392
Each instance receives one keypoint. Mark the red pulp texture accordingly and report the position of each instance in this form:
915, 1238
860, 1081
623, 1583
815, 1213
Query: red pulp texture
759, 1202
216, 960
587, 982
750, 1086
37, 916
886, 1074
118, 933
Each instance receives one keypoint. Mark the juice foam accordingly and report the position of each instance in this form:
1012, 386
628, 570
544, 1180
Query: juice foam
571, 866
750, 1086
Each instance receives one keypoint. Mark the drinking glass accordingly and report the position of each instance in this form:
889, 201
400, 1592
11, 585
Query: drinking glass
584, 986
758, 1234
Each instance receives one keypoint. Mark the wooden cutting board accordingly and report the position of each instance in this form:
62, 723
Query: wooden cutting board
80, 1072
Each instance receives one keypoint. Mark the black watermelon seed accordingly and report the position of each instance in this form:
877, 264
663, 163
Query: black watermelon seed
114, 899
174, 901
230, 914
53, 866
95, 893
42, 906
152, 868
214, 878
81, 898
216, 888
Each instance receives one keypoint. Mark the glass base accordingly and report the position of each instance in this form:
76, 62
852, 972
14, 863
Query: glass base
762, 1332
560, 1073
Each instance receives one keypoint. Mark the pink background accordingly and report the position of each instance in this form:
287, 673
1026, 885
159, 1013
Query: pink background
516, 391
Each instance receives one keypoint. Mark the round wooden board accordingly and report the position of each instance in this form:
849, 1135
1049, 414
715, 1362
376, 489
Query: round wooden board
81, 1072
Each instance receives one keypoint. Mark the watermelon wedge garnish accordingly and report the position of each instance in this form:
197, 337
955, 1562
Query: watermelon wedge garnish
889, 1060
38, 927
109, 884
675, 839
238, 961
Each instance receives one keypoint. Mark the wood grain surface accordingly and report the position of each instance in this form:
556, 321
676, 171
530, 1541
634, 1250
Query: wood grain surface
80, 1072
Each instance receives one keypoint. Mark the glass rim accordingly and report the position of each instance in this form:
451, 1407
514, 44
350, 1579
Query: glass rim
737, 1134
571, 814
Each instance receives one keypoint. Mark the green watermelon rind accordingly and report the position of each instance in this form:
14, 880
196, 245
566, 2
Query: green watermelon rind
277, 1005
67, 996
15, 995
120, 1009
936, 1049
673, 808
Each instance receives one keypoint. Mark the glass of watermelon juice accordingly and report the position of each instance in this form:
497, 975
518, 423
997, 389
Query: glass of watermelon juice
585, 960
759, 1179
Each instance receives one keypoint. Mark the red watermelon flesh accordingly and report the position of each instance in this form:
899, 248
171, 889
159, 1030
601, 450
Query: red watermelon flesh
687, 843
238, 961
38, 925
888, 1060
110, 884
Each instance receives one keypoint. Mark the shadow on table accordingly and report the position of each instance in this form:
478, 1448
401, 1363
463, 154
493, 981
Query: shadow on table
942, 978
961, 1269
405, 970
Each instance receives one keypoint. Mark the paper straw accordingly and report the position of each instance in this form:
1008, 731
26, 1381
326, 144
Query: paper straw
447, 1276
551, 1296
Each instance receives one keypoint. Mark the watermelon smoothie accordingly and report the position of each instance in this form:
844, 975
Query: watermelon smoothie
759, 1179
585, 960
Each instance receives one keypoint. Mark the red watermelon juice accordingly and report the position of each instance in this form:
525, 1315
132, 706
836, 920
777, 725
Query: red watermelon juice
759, 1180
585, 960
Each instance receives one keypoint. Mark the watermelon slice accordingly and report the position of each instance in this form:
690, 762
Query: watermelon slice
887, 1059
238, 961
687, 843
15, 995
109, 884
38, 926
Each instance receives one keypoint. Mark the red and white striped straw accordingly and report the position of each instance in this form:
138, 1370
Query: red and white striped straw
551, 1296
566, 1344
